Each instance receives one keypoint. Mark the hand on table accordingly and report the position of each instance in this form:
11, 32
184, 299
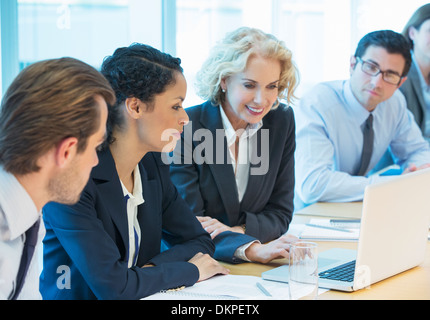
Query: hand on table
276, 249
208, 267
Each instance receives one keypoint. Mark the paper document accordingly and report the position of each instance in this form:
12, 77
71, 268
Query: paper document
348, 210
323, 229
227, 287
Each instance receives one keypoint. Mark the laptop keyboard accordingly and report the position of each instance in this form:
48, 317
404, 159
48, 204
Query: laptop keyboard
344, 272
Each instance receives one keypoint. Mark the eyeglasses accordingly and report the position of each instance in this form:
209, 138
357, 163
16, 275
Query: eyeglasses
373, 70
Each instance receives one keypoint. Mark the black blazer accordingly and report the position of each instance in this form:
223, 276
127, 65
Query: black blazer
412, 91
91, 238
210, 188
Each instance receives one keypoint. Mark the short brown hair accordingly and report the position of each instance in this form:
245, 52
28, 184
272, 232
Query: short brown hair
48, 102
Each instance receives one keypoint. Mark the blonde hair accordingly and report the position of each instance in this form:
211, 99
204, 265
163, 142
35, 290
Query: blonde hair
231, 55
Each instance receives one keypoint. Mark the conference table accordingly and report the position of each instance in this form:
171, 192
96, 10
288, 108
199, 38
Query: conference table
413, 284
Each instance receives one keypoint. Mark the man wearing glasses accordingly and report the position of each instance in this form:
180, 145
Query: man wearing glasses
346, 128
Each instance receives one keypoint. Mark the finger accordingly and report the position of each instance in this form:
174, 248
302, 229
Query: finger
411, 168
289, 239
224, 270
280, 253
210, 229
203, 219
215, 233
211, 226
284, 254
424, 166
209, 222
197, 255
220, 269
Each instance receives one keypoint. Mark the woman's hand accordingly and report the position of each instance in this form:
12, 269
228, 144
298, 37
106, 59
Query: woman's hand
208, 267
214, 227
276, 249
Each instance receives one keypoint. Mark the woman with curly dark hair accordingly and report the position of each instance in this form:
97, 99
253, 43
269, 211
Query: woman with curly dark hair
108, 245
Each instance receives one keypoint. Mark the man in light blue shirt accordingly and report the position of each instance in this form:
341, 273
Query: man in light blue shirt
331, 118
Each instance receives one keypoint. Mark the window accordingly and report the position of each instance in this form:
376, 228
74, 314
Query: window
201, 23
322, 34
88, 30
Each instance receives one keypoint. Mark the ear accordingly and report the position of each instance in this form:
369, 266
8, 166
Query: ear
402, 81
65, 152
352, 64
133, 107
223, 84
412, 32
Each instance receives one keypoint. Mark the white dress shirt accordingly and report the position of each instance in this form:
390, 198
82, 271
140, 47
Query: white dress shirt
246, 143
241, 167
134, 200
17, 214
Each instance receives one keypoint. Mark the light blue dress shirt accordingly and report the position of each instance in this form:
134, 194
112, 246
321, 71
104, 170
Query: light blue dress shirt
17, 214
329, 133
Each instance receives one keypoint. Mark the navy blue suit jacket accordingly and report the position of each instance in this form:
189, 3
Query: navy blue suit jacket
91, 238
210, 188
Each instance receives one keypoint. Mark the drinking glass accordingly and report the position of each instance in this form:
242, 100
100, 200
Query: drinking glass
303, 271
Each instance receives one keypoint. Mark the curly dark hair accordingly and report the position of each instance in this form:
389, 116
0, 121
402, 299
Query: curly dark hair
138, 71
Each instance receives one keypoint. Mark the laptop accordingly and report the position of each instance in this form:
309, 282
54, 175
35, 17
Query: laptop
393, 237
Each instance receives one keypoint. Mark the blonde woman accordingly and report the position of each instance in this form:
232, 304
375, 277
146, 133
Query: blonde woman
240, 176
